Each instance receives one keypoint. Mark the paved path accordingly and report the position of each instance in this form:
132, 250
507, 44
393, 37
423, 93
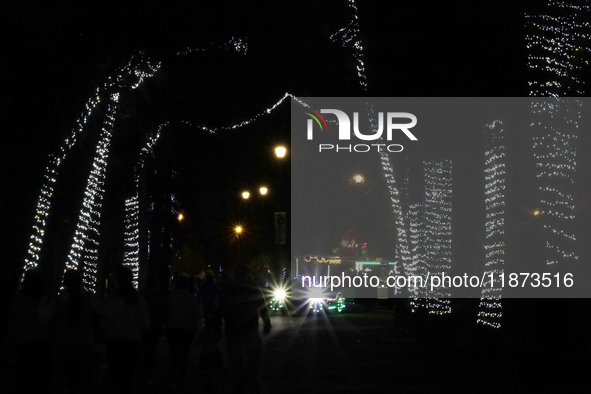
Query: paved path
372, 350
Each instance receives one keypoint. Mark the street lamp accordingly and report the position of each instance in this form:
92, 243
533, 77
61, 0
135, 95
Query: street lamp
358, 178
263, 190
280, 152
238, 231
180, 217
245, 195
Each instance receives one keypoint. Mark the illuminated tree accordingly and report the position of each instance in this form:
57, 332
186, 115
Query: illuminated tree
490, 307
558, 53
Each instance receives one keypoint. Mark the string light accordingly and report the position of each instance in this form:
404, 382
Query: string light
84, 249
348, 37
418, 267
236, 44
131, 237
558, 51
51, 173
557, 44
430, 227
555, 154
438, 231
247, 122
490, 307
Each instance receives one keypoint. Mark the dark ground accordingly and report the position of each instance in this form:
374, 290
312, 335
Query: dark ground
371, 348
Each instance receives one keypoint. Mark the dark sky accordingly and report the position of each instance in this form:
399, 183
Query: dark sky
55, 55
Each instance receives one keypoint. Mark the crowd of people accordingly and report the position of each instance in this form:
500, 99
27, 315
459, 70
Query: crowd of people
75, 340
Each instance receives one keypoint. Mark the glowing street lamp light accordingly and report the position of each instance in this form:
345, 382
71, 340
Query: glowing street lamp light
280, 152
245, 195
263, 190
237, 229
180, 217
358, 178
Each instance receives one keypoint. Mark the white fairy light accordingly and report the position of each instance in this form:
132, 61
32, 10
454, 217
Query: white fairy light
238, 44
131, 237
490, 307
437, 241
418, 266
51, 173
430, 223
558, 51
83, 251
349, 38
246, 122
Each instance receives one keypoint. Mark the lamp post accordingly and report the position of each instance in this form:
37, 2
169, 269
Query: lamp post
259, 219
281, 207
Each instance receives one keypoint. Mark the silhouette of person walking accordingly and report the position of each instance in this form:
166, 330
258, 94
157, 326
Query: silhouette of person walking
124, 319
183, 322
208, 292
158, 312
240, 304
30, 335
74, 334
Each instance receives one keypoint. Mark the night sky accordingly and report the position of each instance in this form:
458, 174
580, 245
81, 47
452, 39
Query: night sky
55, 55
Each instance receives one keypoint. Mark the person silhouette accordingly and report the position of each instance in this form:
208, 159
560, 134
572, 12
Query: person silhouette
183, 322
29, 339
158, 311
74, 337
208, 293
240, 304
124, 319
